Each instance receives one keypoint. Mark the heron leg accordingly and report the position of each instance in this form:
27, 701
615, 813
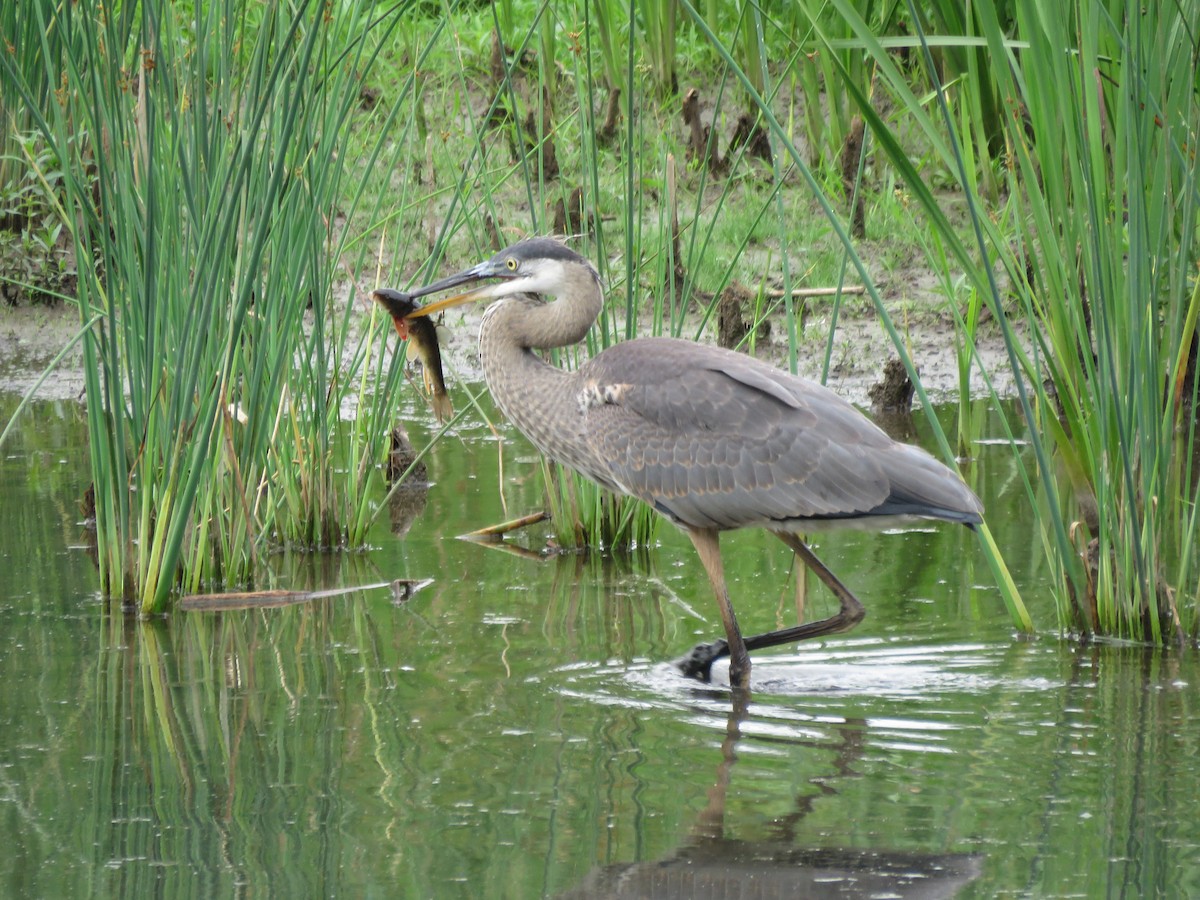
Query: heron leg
698, 663
849, 615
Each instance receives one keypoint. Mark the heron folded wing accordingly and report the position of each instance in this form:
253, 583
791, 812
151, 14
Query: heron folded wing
754, 375
715, 450
722, 440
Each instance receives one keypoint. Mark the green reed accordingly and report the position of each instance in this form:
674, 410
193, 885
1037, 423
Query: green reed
970, 87
827, 59
659, 229
660, 24
203, 162
1100, 259
668, 235
659, 217
503, 169
25, 42
1111, 236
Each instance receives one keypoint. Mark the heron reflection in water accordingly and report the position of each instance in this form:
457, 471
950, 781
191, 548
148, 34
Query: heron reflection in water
712, 439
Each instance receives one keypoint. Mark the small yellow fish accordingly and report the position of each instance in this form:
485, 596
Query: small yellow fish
423, 332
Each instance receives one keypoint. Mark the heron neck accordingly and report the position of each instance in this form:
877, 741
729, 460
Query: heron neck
529, 391
512, 328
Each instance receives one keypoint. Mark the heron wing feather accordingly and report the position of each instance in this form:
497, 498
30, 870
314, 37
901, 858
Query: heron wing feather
718, 439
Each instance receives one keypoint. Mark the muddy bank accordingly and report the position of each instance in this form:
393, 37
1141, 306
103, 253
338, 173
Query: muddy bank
30, 337
861, 349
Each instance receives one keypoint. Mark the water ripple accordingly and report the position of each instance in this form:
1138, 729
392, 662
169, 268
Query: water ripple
909, 697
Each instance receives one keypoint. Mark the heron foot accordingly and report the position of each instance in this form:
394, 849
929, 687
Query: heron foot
698, 661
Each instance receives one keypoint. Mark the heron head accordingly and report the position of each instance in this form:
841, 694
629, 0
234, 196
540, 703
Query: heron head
533, 266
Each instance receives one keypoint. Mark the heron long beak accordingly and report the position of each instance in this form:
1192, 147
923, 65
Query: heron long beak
475, 273
437, 306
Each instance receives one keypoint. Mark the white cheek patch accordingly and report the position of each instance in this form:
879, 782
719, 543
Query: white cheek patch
548, 276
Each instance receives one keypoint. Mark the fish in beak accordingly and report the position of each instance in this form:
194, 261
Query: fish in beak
409, 324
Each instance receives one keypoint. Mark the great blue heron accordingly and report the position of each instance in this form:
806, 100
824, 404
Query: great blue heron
712, 439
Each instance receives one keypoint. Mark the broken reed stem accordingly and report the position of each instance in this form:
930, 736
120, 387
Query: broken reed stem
805, 293
503, 528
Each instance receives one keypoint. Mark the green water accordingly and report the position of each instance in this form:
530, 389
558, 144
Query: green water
512, 730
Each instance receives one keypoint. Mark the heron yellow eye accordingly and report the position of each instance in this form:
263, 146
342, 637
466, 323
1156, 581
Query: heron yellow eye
511, 264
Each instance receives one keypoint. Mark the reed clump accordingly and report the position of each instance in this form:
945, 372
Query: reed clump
199, 160
1089, 250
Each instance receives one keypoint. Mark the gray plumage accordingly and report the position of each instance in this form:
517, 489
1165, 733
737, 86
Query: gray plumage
712, 439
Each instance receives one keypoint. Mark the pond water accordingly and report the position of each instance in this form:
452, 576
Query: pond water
514, 730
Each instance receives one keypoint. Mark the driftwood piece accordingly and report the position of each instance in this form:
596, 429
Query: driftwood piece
271, 599
735, 299
496, 532
806, 293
